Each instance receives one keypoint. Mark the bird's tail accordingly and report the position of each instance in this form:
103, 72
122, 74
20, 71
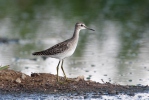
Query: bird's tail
37, 53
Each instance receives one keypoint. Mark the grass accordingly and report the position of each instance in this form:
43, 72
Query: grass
4, 67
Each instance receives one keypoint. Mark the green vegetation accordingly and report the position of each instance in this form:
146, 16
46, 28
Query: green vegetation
4, 67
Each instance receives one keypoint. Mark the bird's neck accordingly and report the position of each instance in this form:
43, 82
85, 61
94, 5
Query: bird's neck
76, 33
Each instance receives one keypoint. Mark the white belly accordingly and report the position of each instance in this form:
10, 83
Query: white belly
66, 53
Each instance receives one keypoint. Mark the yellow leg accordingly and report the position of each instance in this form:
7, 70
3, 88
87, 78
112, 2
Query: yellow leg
57, 70
63, 69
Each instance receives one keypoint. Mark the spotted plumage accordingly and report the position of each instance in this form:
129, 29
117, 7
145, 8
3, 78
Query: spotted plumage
56, 49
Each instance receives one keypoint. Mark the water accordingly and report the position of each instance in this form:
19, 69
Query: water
116, 52
36, 96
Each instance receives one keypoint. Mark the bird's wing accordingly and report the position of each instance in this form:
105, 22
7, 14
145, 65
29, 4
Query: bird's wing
58, 48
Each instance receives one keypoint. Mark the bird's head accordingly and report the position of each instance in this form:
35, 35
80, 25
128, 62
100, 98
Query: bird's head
82, 26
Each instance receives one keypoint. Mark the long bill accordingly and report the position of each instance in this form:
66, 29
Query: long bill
89, 28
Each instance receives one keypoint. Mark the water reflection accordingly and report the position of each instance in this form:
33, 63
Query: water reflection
117, 51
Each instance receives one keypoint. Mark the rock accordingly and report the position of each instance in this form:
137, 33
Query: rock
79, 78
23, 76
18, 80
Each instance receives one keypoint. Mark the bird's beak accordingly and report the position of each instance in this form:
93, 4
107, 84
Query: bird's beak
89, 28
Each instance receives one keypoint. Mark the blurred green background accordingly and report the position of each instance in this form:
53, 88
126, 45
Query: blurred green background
118, 51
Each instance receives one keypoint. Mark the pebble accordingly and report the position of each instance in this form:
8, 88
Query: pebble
79, 78
18, 80
23, 76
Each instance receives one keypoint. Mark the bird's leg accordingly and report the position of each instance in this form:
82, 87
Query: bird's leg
63, 69
57, 70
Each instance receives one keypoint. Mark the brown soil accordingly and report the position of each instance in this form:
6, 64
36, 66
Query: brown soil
13, 81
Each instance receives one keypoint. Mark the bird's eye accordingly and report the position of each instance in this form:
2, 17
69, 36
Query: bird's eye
81, 24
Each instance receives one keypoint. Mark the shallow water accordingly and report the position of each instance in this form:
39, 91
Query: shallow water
25, 96
116, 52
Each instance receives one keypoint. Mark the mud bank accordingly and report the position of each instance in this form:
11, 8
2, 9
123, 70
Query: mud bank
14, 81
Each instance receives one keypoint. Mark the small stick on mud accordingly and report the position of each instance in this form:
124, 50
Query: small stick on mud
102, 80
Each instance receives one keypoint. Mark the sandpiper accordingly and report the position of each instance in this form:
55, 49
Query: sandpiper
64, 49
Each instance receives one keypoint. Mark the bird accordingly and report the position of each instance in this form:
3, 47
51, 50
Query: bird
64, 49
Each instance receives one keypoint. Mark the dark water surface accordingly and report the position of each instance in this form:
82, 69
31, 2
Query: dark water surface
117, 52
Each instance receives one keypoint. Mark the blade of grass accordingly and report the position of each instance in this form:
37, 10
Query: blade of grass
4, 67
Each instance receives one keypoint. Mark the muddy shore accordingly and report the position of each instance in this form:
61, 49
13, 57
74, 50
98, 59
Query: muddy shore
14, 81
